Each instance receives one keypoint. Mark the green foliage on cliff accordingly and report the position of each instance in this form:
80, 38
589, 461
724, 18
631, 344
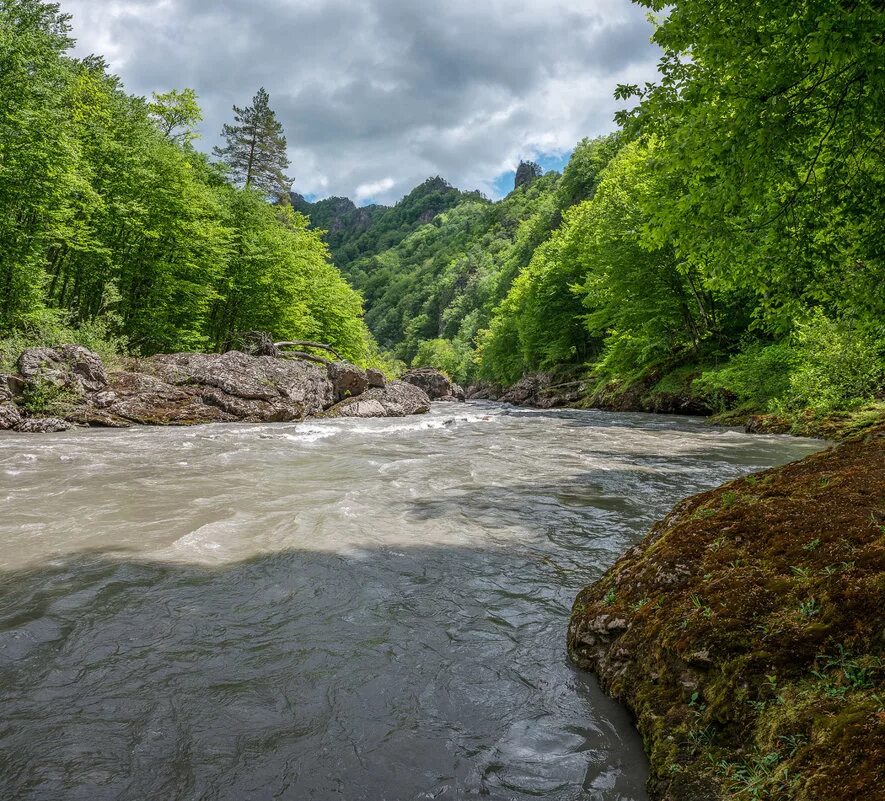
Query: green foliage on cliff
733, 227
353, 233
109, 217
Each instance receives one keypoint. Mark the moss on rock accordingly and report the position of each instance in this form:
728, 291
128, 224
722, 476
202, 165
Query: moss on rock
746, 634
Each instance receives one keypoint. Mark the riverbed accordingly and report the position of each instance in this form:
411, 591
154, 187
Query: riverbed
352, 609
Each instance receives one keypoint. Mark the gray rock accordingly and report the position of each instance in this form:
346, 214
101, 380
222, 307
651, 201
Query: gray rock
253, 411
233, 372
67, 367
435, 384
11, 386
376, 378
10, 416
358, 407
397, 399
42, 425
348, 380
484, 390
290, 389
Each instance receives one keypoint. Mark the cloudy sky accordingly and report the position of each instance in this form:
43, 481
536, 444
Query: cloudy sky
377, 95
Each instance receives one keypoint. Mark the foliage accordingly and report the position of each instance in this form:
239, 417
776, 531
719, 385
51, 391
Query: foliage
837, 365
444, 355
176, 113
255, 152
354, 233
114, 232
45, 399
771, 130
52, 327
756, 375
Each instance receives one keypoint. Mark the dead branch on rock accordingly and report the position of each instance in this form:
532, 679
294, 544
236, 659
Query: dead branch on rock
300, 343
307, 357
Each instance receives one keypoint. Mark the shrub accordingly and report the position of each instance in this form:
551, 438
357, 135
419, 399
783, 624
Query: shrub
52, 327
758, 374
452, 358
839, 366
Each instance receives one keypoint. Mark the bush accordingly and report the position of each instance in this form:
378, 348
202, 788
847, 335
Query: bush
45, 399
839, 366
452, 358
757, 375
52, 327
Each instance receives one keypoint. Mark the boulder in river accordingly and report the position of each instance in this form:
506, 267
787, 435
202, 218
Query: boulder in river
42, 425
436, 384
189, 388
347, 379
66, 367
376, 379
537, 390
397, 399
10, 416
194, 388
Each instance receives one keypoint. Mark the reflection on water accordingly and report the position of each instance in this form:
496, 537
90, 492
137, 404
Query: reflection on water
338, 609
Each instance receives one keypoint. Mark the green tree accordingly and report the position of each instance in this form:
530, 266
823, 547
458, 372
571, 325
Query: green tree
38, 150
176, 113
255, 151
770, 120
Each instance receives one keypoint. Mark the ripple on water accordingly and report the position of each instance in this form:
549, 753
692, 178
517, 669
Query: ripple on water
337, 609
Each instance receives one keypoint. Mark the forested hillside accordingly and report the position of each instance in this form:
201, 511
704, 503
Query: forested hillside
112, 224
727, 243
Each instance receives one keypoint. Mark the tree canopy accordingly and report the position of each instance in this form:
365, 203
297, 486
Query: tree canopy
111, 221
255, 152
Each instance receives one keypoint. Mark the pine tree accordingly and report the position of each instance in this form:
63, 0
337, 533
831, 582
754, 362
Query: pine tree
256, 148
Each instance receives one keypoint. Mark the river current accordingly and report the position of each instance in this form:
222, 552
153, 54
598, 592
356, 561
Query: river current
343, 609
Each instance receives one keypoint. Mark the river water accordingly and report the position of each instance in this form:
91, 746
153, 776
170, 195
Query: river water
362, 609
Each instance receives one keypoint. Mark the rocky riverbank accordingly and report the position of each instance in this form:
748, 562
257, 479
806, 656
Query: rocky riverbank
673, 396
746, 634
571, 390
56, 388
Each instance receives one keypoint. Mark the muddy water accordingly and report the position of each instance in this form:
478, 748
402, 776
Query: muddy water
343, 609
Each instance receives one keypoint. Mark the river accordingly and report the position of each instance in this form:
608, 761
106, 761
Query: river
359, 609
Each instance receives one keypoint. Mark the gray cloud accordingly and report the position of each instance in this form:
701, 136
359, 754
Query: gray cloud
377, 95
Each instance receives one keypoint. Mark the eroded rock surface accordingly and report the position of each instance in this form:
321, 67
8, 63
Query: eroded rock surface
68, 367
437, 385
191, 388
376, 379
537, 390
397, 399
10, 416
348, 380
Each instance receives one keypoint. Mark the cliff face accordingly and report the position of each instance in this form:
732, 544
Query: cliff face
746, 634
355, 232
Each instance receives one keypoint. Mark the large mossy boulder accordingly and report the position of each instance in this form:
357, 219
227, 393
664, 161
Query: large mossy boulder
746, 634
